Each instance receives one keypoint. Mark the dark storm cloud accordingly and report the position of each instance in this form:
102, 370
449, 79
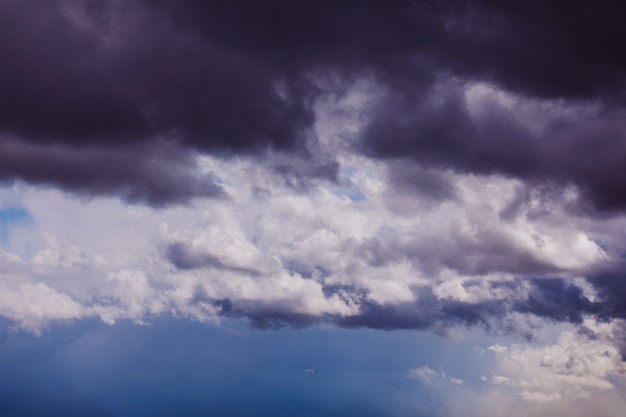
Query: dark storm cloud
435, 128
242, 76
561, 49
108, 75
157, 174
107, 72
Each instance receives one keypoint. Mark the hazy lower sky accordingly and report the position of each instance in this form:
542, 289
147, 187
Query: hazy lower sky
312, 208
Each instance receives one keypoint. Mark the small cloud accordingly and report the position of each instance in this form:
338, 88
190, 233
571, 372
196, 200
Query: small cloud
456, 381
309, 371
498, 349
425, 373
430, 376
501, 380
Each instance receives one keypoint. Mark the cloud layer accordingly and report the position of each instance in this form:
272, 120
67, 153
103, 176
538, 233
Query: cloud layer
414, 165
98, 76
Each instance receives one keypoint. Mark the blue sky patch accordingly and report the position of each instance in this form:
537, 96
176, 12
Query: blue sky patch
347, 187
11, 216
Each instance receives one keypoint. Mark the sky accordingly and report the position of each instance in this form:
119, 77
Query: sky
312, 208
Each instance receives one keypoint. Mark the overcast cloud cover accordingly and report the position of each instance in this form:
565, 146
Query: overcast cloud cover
262, 173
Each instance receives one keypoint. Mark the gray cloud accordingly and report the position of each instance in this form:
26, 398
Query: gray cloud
102, 72
408, 177
157, 174
183, 257
554, 300
238, 78
577, 149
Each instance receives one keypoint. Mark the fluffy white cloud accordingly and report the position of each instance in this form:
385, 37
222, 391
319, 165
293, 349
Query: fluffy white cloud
582, 361
33, 305
429, 376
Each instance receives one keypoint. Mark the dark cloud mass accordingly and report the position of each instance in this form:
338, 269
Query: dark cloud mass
106, 97
436, 129
122, 72
158, 174
242, 76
